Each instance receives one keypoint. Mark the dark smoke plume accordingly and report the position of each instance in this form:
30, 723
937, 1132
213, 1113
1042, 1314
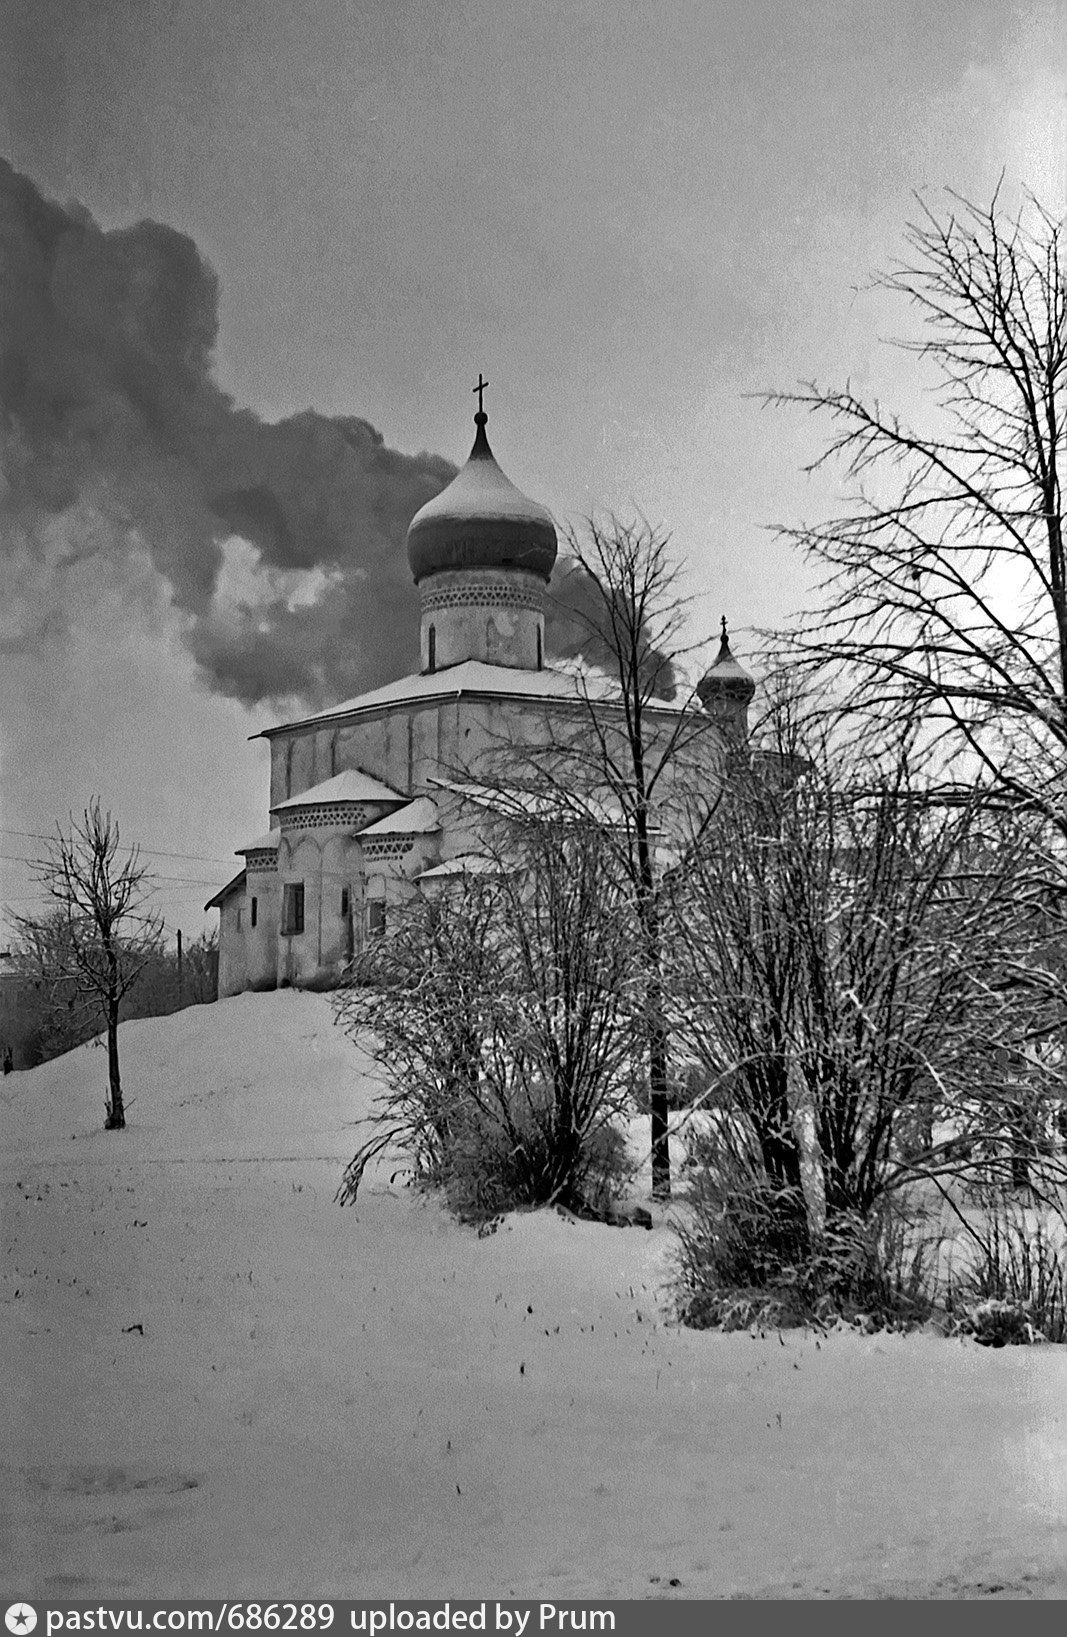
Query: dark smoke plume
116, 441
117, 445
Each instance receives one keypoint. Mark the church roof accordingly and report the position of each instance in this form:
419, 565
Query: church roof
562, 805
262, 844
481, 520
224, 892
462, 864
351, 785
475, 677
418, 818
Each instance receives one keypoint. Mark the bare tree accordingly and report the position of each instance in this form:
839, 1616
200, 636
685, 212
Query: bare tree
945, 595
501, 1013
641, 749
100, 936
56, 1012
852, 958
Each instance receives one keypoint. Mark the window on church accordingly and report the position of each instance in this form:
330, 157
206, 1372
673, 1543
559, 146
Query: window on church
540, 649
293, 908
376, 918
431, 648
253, 913
344, 901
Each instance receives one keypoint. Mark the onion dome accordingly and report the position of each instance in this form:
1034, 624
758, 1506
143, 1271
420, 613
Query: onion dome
481, 521
726, 680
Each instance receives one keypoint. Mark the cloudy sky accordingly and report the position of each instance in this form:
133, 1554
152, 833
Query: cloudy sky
253, 255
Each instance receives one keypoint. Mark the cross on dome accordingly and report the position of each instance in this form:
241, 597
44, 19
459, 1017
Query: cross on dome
479, 389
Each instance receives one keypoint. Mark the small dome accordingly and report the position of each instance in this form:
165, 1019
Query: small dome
481, 521
726, 679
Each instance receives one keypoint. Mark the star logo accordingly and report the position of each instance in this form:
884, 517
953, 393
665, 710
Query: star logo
21, 1619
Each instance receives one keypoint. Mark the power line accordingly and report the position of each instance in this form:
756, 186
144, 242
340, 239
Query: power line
152, 852
190, 880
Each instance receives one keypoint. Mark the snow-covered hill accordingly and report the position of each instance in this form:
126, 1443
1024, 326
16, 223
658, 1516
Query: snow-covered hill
224, 1385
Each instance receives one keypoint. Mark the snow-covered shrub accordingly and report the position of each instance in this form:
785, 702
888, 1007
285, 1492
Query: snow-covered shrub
741, 1230
1013, 1285
504, 1016
492, 1165
746, 1248
997, 1324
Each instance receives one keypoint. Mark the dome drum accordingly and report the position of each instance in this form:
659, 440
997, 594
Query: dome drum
484, 614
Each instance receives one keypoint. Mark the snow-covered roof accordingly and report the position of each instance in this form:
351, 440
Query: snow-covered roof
476, 677
224, 892
462, 864
542, 806
262, 844
351, 785
418, 818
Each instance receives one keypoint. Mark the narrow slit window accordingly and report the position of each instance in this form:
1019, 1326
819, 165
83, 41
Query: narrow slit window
431, 648
540, 649
253, 914
344, 901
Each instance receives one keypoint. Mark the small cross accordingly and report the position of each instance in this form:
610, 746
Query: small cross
723, 619
479, 389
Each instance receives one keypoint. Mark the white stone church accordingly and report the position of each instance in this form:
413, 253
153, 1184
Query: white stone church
367, 800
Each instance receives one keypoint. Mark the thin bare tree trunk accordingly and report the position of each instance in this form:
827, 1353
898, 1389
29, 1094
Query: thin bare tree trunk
812, 1173
116, 1113
658, 1101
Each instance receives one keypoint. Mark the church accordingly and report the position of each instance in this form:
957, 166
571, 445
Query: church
371, 800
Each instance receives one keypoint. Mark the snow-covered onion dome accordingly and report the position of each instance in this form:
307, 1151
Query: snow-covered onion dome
481, 553
727, 688
481, 520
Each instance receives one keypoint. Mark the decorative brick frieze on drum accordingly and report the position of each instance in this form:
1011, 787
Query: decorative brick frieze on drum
261, 862
345, 814
387, 847
482, 596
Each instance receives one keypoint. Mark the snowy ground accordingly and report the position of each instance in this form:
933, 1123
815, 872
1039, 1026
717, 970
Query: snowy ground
226, 1386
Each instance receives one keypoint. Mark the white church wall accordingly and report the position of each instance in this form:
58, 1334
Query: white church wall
232, 968
277, 771
339, 894
398, 750
365, 745
303, 764
425, 746
260, 923
292, 765
408, 747
299, 861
